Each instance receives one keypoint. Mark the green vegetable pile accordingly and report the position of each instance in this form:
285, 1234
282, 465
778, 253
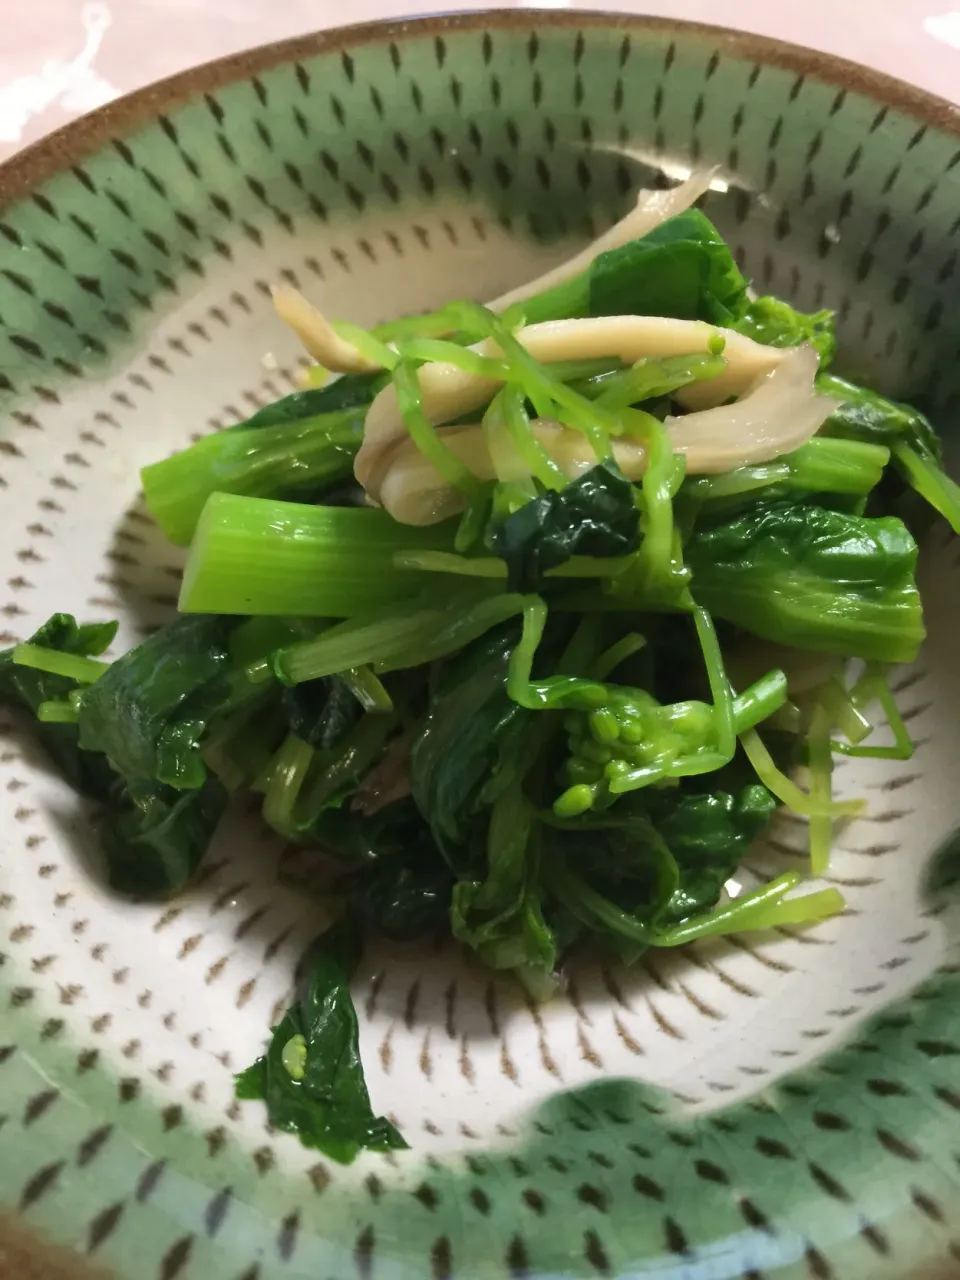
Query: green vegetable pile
553, 723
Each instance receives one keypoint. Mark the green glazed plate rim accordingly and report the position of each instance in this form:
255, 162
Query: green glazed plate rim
72, 142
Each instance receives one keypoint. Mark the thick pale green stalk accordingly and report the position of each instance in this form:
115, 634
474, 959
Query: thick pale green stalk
279, 461
824, 464
259, 556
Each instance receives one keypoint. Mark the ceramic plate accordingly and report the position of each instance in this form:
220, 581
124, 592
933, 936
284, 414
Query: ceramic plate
775, 1105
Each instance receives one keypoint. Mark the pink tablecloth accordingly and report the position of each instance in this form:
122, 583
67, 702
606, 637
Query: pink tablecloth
59, 58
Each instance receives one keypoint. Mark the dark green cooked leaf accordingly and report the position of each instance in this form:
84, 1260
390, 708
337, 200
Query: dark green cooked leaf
683, 268
708, 832
325, 1101
812, 578
320, 712
26, 688
147, 711
595, 515
460, 742
153, 836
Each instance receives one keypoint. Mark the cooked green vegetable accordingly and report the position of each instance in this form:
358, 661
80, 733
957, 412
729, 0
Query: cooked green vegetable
868, 416
301, 446
813, 578
683, 268
777, 324
595, 515
311, 1077
520, 727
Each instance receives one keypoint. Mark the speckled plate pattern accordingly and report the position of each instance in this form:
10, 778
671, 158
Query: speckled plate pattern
783, 1105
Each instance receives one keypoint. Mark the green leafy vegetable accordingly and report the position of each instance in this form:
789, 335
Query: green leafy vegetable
311, 1078
154, 836
807, 576
501, 917
263, 557
868, 416
777, 324
558, 722
708, 832
149, 710
595, 515
683, 268
29, 688
470, 724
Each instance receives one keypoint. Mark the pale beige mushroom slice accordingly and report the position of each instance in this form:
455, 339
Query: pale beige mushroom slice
317, 334
781, 412
449, 392
777, 415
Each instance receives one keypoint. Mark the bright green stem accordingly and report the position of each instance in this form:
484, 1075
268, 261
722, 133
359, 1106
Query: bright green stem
535, 457
765, 908
368, 344
550, 397
57, 713
785, 789
931, 483
451, 353
494, 568
556, 691
653, 377
720, 690
397, 638
407, 386
823, 465
761, 700
843, 712
288, 770
367, 689
611, 658
58, 663
820, 763
303, 456
474, 518
874, 686
260, 556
